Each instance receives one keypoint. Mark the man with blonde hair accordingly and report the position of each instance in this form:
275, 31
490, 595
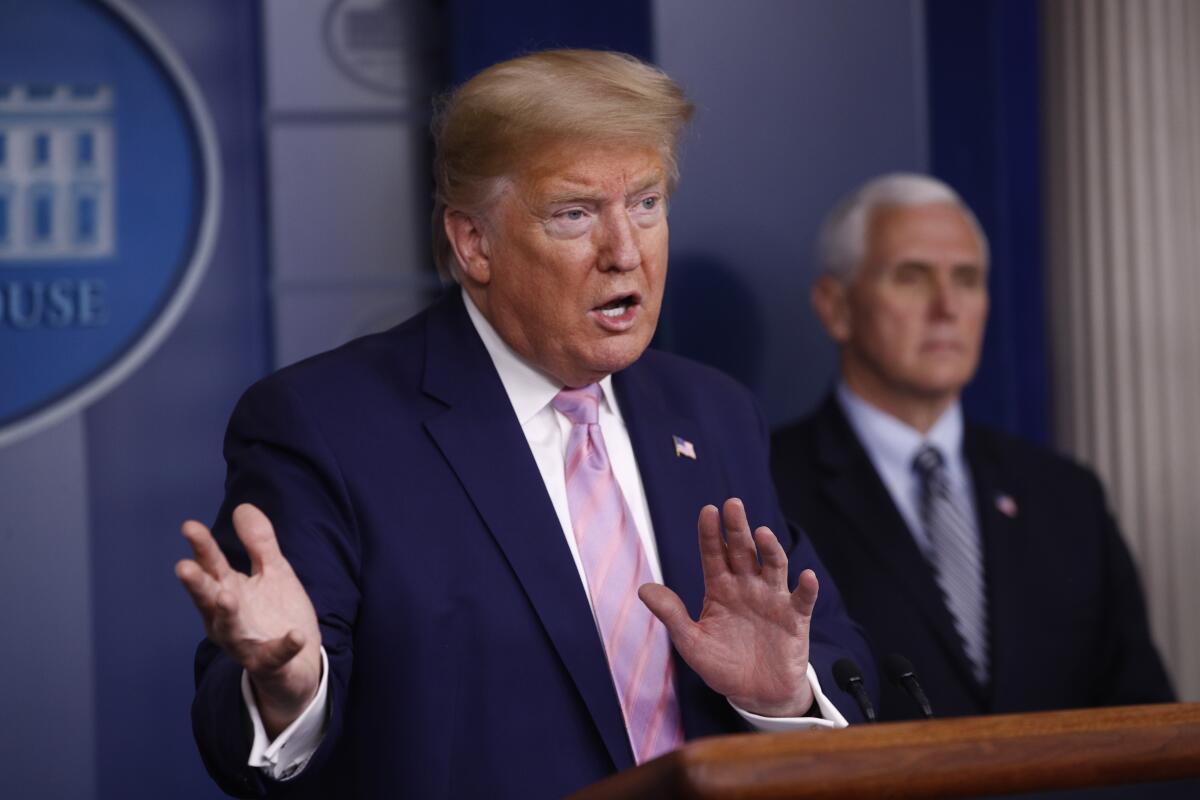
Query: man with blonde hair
992, 565
473, 570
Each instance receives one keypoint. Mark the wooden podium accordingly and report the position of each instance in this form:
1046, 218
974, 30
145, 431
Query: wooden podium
962, 757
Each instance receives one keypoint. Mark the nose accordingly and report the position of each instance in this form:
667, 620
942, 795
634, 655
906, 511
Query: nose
945, 300
620, 247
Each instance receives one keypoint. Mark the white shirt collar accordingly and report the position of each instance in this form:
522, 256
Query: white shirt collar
895, 443
891, 446
529, 389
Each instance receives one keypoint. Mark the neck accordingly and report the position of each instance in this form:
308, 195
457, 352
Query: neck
919, 411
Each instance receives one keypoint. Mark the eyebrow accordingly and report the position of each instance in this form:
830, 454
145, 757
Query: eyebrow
977, 265
924, 263
653, 179
569, 195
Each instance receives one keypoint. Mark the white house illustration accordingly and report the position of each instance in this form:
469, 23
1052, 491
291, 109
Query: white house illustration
57, 172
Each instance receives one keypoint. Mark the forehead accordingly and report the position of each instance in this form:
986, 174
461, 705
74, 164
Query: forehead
934, 232
590, 168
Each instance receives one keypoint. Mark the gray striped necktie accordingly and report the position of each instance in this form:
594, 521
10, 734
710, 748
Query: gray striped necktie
956, 557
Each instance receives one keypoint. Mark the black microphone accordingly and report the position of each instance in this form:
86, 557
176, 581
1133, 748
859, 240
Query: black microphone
850, 680
900, 672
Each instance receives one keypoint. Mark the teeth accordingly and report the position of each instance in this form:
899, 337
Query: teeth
613, 312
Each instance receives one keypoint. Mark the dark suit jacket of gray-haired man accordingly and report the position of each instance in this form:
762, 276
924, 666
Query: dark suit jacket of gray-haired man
904, 295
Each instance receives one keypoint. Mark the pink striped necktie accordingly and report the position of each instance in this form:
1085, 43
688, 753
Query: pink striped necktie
636, 643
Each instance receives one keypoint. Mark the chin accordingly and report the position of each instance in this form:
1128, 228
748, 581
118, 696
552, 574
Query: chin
940, 389
945, 376
615, 356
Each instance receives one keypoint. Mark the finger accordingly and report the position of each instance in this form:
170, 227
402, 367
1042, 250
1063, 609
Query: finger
774, 560
258, 536
201, 586
208, 552
225, 605
712, 547
666, 605
804, 598
225, 628
739, 543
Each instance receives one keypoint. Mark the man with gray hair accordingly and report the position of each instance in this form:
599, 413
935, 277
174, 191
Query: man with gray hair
992, 564
459, 558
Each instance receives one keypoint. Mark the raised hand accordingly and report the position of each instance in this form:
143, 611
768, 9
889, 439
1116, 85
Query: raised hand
264, 620
751, 641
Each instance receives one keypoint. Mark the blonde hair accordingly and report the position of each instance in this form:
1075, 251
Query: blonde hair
486, 130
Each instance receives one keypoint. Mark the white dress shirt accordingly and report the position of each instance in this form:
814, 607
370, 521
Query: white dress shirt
530, 391
892, 445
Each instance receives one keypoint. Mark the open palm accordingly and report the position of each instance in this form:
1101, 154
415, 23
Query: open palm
751, 641
264, 620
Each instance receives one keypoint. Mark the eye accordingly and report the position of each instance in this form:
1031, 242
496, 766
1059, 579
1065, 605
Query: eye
908, 273
969, 277
570, 216
648, 210
651, 202
569, 223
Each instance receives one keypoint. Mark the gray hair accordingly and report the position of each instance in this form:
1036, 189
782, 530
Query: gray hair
842, 241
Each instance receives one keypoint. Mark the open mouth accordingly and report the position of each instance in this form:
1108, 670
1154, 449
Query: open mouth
619, 314
618, 306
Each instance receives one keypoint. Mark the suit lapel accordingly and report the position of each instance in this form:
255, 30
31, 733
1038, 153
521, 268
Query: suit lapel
855, 488
676, 488
998, 506
481, 439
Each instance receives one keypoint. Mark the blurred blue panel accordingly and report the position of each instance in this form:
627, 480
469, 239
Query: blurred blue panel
984, 132
483, 32
47, 722
154, 442
797, 103
5, 225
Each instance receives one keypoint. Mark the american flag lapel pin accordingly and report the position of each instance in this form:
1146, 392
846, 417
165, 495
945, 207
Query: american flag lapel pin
1006, 505
684, 448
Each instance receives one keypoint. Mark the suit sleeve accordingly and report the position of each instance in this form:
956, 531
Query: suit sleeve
277, 459
1131, 670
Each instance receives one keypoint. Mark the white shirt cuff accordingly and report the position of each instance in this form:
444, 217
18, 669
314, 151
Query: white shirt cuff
830, 716
287, 756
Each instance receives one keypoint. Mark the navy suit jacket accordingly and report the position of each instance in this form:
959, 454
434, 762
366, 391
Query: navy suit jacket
1067, 621
464, 658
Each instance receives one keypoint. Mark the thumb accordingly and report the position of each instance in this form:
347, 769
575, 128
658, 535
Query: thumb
804, 598
257, 535
666, 605
274, 654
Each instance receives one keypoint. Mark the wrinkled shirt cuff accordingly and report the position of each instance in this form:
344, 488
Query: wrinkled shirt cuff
830, 716
287, 756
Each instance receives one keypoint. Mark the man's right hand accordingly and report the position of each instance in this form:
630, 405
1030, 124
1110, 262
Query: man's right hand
264, 620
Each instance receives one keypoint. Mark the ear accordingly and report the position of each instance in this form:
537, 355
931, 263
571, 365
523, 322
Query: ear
831, 301
469, 240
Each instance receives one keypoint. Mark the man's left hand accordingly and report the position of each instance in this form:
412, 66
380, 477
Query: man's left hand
751, 641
